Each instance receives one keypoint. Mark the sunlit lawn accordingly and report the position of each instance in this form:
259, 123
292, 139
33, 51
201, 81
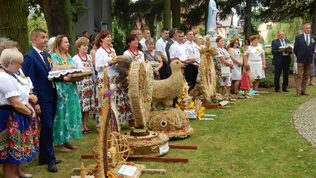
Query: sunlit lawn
252, 138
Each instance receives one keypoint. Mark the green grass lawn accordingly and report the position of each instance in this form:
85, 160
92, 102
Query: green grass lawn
253, 138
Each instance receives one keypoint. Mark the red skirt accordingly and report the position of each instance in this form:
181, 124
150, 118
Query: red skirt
245, 81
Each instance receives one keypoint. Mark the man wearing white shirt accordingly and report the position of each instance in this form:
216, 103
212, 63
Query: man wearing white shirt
146, 35
281, 61
160, 48
161, 44
304, 47
194, 54
178, 52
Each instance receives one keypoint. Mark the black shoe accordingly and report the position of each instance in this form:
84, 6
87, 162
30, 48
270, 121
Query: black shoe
52, 168
286, 90
58, 161
277, 90
42, 162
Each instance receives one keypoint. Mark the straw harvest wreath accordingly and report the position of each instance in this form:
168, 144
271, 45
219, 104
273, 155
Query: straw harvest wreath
140, 92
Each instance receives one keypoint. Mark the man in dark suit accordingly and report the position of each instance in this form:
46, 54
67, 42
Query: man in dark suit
281, 61
165, 71
37, 65
304, 49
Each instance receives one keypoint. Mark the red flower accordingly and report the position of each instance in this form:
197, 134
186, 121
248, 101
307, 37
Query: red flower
27, 132
12, 131
11, 143
15, 124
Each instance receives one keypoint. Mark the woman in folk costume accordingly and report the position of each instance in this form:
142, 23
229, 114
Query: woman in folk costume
103, 60
86, 87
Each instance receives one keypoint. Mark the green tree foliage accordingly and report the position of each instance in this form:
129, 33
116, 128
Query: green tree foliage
13, 21
246, 9
287, 10
291, 29
127, 12
60, 16
196, 12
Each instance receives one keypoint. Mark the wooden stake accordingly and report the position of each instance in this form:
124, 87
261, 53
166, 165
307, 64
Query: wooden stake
190, 147
88, 156
211, 106
161, 159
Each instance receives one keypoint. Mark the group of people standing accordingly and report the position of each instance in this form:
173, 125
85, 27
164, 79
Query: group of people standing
236, 70
63, 106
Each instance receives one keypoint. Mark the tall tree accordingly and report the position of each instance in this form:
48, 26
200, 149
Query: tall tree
13, 21
167, 14
247, 18
176, 6
58, 15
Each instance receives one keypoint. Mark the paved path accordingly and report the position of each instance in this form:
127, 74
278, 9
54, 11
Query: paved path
305, 120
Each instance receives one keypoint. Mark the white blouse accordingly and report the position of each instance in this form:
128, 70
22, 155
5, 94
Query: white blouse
10, 87
102, 59
255, 53
137, 57
78, 62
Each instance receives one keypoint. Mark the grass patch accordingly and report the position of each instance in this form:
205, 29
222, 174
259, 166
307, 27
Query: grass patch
253, 138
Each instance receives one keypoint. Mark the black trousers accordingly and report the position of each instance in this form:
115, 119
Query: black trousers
190, 74
165, 71
278, 69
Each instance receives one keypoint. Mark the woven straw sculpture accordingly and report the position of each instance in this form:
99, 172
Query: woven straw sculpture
166, 90
207, 85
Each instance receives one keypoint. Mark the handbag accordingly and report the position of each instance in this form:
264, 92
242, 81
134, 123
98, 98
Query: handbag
225, 71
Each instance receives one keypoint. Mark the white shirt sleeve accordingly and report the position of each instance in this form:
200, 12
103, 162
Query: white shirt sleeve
173, 52
143, 43
160, 46
101, 60
8, 88
77, 61
126, 53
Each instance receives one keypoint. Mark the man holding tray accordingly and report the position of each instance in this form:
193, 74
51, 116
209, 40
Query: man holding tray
281, 61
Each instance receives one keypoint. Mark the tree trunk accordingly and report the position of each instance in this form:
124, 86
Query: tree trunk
314, 18
247, 24
176, 5
167, 14
13, 22
58, 17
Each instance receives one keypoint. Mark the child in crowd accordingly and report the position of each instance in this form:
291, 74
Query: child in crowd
245, 80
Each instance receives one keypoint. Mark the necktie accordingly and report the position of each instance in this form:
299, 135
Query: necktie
307, 39
44, 59
283, 42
